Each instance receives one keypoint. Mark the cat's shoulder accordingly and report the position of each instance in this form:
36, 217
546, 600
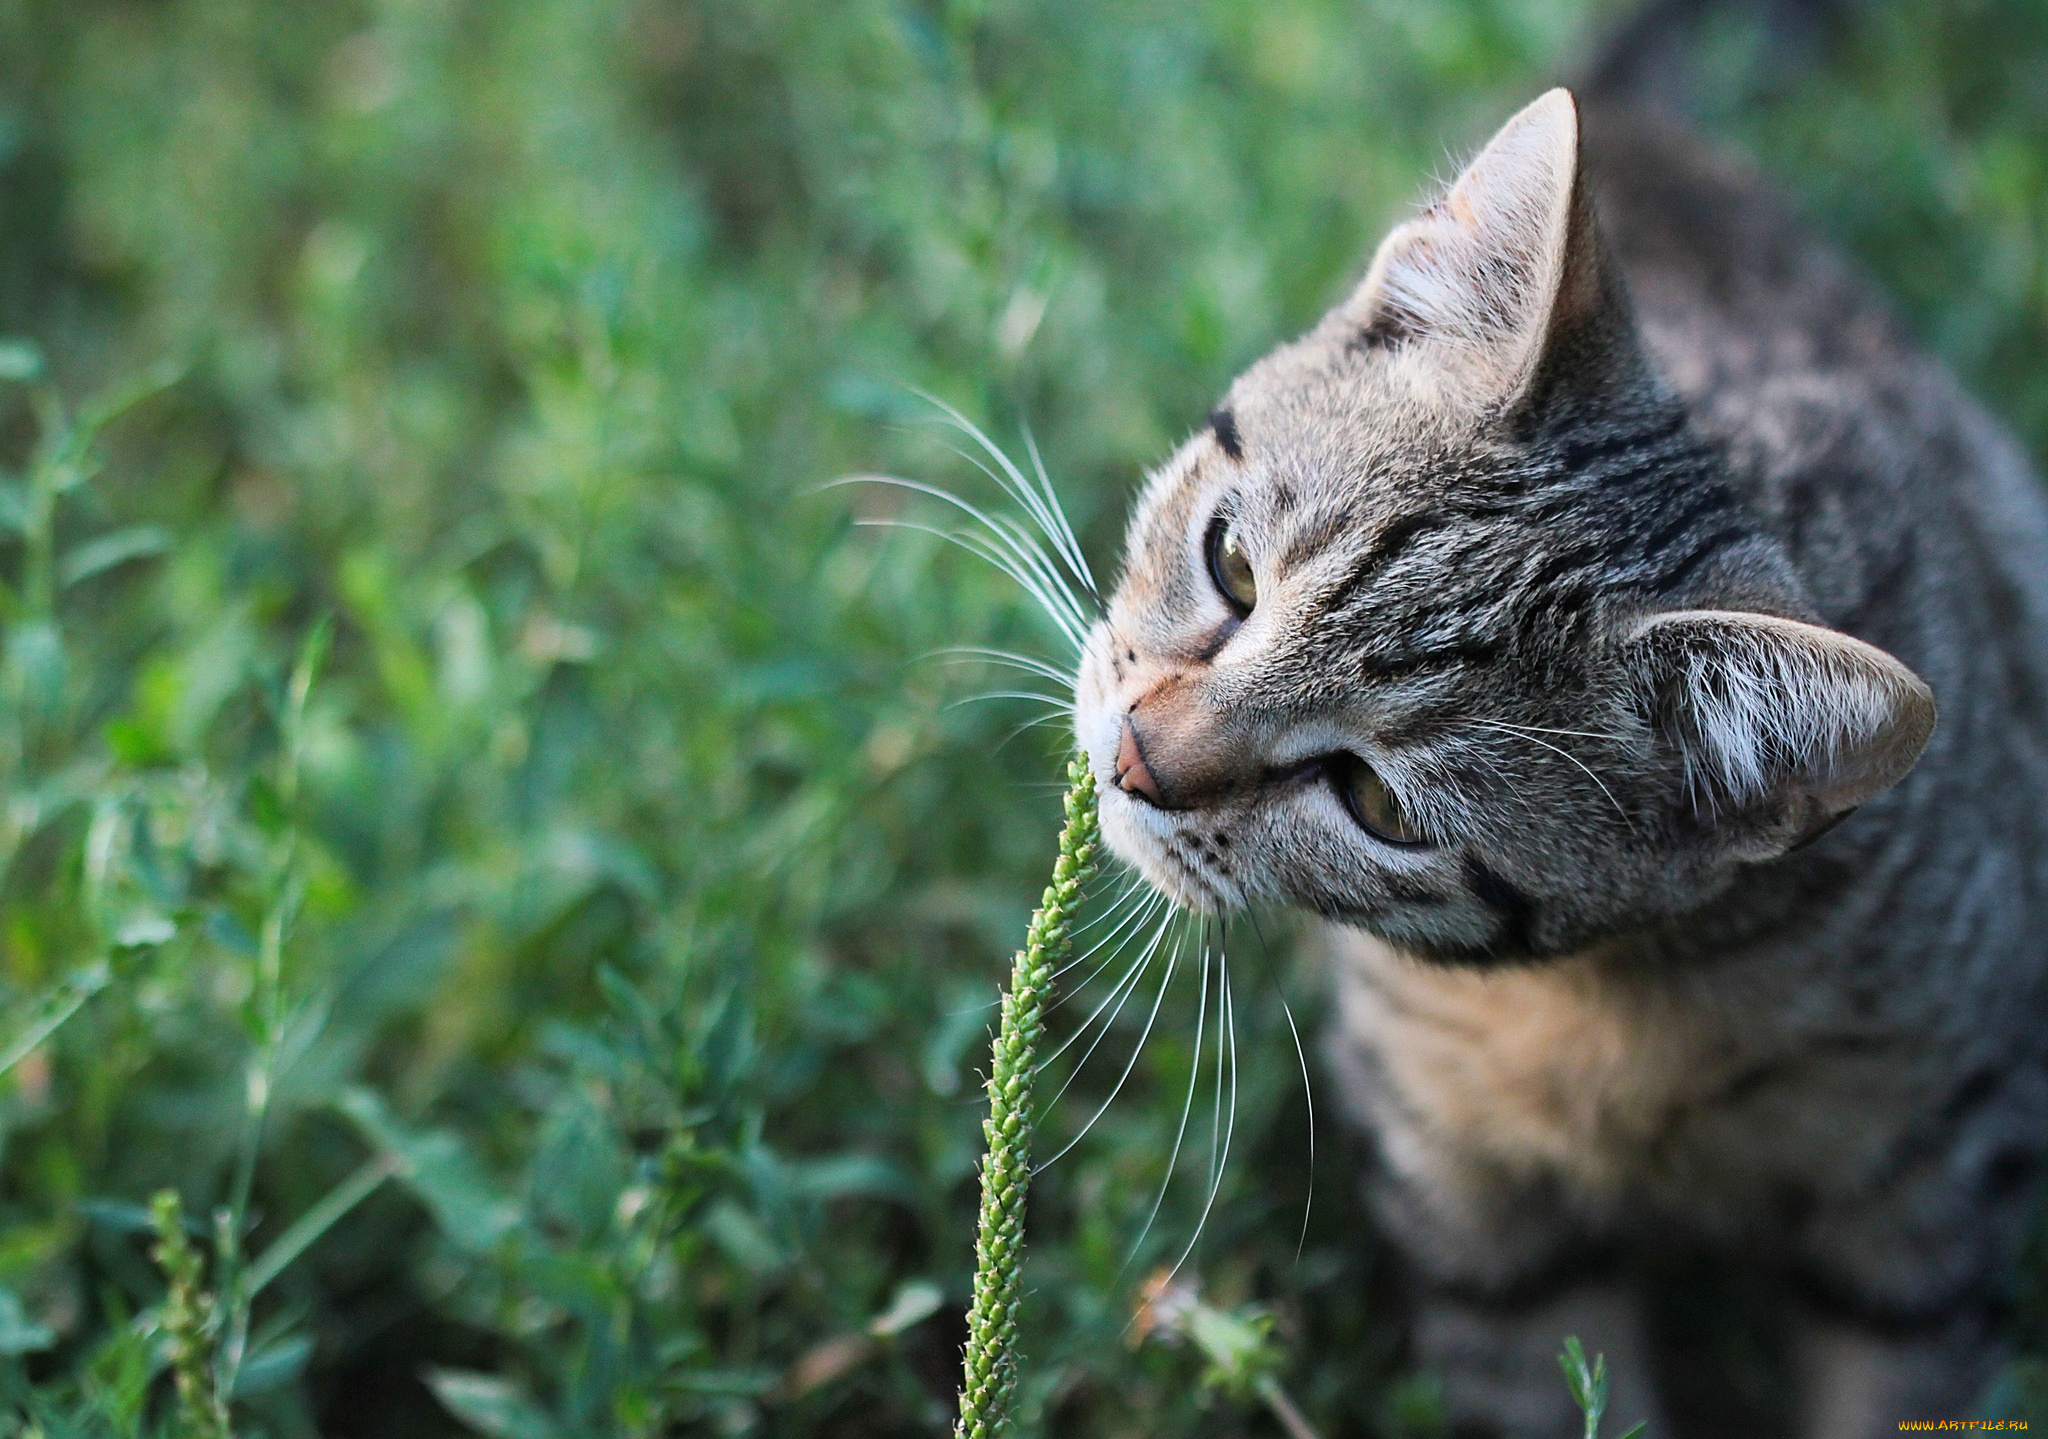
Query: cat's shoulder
1723, 270
1886, 482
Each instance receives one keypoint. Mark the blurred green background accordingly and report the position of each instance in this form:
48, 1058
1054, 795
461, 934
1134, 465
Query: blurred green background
483, 818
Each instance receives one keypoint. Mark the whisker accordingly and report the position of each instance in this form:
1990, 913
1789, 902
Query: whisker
1110, 946
1216, 1110
1559, 750
964, 654
1226, 1023
1129, 1065
981, 550
1131, 923
1023, 565
1023, 562
1054, 529
1072, 548
1129, 978
1042, 505
1134, 883
1024, 536
1062, 707
1125, 988
1031, 724
1042, 586
1125, 885
1307, 1089
1125, 881
1019, 541
1545, 729
1187, 1108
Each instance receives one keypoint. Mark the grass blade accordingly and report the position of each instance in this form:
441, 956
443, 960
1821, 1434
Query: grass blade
308, 1227
56, 1005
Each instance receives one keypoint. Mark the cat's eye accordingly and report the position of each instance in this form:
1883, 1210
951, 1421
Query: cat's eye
1231, 568
1371, 803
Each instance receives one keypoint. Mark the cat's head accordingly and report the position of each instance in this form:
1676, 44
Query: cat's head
1447, 626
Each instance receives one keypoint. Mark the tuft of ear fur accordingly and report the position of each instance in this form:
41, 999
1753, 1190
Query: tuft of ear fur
1508, 264
1783, 727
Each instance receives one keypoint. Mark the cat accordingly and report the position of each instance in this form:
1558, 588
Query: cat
1564, 620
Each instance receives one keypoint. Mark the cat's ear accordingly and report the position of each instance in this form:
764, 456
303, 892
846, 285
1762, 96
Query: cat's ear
1782, 728
1504, 278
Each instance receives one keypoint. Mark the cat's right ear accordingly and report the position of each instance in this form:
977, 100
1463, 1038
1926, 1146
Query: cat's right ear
1780, 728
1503, 284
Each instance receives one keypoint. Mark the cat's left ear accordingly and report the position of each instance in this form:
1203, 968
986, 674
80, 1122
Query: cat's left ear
1776, 729
1502, 286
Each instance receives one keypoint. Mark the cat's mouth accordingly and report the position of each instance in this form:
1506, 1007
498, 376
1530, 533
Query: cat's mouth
1169, 849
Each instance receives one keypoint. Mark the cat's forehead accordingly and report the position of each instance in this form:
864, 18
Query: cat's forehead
1313, 451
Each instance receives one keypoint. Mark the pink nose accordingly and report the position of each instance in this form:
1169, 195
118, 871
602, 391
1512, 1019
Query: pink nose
1132, 777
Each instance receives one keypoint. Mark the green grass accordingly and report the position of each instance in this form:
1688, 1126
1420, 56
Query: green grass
481, 817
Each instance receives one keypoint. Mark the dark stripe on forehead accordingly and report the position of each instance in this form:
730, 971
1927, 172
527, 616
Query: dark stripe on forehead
1315, 534
1545, 538
1389, 327
1223, 425
1564, 563
1580, 452
1470, 653
1386, 547
1397, 536
1684, 566
1515, 910
1711, 501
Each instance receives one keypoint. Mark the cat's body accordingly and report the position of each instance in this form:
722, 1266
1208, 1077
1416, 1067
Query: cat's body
1836, 1068
1564, 606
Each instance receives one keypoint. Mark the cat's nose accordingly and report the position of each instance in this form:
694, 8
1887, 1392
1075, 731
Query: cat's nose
1132, 775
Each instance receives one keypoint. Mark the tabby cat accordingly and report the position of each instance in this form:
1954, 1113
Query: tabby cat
1564, 620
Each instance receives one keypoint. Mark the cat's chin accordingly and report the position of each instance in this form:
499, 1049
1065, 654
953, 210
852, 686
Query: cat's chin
1143, 839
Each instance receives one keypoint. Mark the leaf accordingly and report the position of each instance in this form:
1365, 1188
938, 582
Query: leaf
306, 1230
53, 1007
578, 1168
840, 1176
96, 556
467, 1207
740, 1381
20, 361
142, 931
18, 1333
916, 1301
490, 1405
1577, 1377
117, 400
743, 1238
1588, 1382
121, 1216
273, 1365
37, 653
1237, 1343
226, 929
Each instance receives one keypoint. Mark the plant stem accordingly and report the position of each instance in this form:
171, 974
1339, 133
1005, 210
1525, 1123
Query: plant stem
990, 1361
1282, 1407
189, 1316
261, 1075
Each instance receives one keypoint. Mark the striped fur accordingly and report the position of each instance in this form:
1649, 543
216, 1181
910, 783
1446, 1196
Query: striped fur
1613, 525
